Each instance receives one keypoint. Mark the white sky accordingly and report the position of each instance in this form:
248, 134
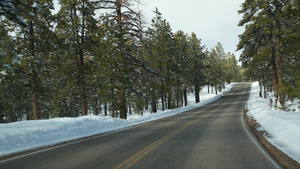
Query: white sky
212, 20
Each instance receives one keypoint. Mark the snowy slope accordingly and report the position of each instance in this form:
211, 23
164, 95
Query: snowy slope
25, 135
283, 127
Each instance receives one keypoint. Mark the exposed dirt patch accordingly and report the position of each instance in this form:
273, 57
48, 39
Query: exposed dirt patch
281, 157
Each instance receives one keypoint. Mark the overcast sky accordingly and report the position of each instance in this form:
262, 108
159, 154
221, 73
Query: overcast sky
212, 20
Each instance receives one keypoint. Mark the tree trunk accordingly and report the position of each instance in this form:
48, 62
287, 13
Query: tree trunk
95, 104
99, 109
153, 106
147, 101
165, 100
279, 73
123, 105
162, 101
83, 101
119, 15
274, 73
11, 115
153, 102
162, 89
181, 98
129, 107
113, 109
265, 92
169, 100
168, 89
35, 108
177, 95
260, 88
197, 93
208, 88
113, 100
264, 85
216, 89
82, 83
105, 108
185, 97
177, 83
81, 55
2, 115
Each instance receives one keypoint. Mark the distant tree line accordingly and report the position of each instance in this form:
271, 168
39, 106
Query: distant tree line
97, 56
271, 46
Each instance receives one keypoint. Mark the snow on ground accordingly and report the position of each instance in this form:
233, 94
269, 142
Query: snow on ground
283, 128
25, 135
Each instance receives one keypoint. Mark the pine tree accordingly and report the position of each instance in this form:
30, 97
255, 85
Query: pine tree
231, 68
181, 67
14, 10
216, 58
32, 52
76, 24
159, 43
11, 92
265, 26
196, 70
128, 30
291, 48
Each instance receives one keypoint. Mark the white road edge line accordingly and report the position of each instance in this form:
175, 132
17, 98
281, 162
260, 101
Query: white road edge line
48, 148
94, 136
255, 141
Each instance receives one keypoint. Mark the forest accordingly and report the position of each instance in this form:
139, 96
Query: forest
270, 47
103, 57
100, 57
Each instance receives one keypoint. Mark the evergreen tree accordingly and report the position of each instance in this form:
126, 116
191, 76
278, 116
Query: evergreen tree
29, 58
181, 67
291, 49
217, 70
263, 37
196, 68
159, 43
128, 30
75, 25
231, 68
14, 10
75, 63
13, 101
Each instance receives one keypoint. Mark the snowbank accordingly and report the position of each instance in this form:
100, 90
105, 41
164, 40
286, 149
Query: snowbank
25, 135
283, 127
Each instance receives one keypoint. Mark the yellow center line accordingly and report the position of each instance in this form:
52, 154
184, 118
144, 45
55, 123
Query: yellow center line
136, 157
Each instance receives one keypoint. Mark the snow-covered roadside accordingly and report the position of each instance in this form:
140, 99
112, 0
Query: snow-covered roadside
283, 127
25, 135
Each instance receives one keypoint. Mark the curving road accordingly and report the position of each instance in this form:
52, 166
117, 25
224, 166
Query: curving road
213, 136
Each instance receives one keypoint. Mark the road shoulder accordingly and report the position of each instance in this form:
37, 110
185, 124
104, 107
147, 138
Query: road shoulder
281, 157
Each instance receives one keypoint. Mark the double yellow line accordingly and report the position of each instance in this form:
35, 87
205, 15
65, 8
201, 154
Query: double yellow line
136, 157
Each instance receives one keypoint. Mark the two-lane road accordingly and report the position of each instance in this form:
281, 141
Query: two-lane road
213, 136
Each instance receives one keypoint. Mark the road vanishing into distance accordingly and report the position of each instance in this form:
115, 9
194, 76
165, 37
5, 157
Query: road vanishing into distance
214, 136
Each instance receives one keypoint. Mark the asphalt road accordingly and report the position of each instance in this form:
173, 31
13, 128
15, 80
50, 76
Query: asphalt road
214, 136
